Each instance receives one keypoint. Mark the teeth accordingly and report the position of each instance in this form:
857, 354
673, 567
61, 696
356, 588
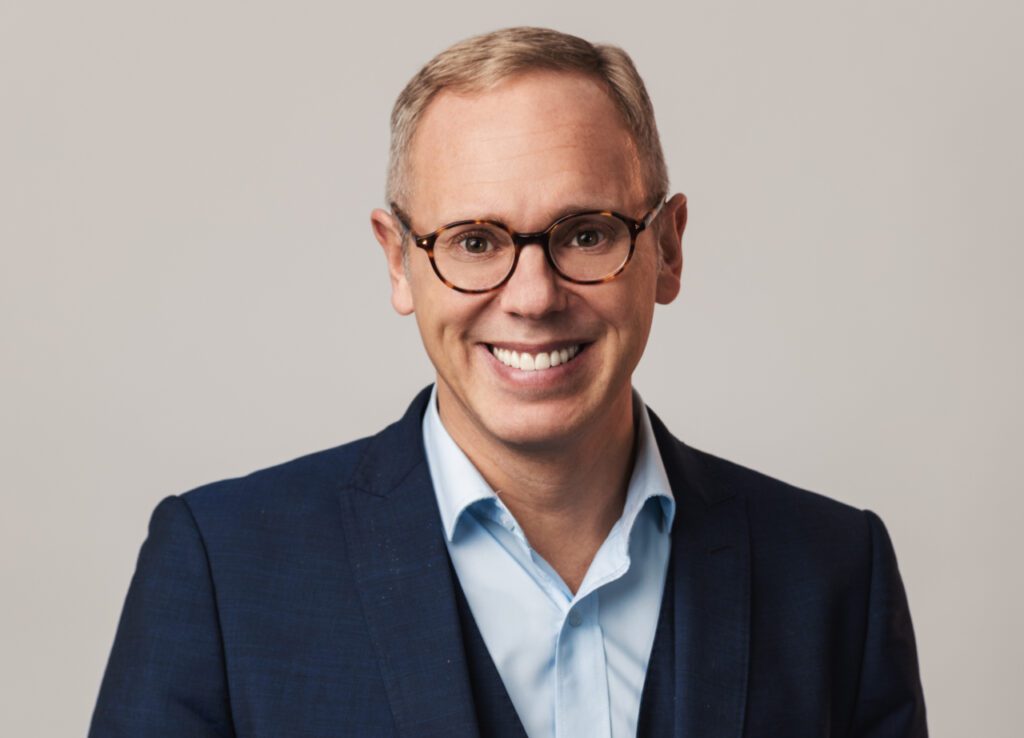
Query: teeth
535, 362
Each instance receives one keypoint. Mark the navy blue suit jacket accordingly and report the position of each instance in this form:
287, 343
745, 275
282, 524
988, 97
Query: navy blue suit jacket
316, 598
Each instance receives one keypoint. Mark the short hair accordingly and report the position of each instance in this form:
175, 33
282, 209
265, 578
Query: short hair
482, 62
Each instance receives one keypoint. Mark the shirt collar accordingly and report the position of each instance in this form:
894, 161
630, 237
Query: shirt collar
458, 484
649, 478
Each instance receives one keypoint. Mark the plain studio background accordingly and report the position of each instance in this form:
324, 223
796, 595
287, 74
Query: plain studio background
190, 290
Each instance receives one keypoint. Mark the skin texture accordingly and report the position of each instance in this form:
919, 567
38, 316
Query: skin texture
556, 445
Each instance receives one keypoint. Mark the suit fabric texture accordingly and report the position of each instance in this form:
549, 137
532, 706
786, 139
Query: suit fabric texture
317, 598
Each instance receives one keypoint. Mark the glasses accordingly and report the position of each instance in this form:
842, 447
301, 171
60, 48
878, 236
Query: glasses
476, 256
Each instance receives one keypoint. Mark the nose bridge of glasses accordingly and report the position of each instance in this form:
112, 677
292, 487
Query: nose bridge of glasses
533, 277
540, 238
524, 239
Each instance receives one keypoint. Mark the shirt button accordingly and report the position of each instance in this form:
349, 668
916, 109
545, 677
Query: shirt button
575, 619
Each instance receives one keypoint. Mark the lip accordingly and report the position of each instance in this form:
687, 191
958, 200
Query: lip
536, 348
544, 379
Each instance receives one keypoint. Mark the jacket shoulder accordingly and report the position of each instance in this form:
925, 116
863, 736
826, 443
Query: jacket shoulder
769, 495
301, 487
311, 482
715, 479
793, 531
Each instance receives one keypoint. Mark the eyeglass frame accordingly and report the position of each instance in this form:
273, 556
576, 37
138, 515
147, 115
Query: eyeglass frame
519, 240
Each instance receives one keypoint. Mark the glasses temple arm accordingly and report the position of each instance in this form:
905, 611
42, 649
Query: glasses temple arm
649, 218
402, 219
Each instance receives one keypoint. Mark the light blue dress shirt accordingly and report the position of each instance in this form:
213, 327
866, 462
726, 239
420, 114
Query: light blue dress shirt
573, 665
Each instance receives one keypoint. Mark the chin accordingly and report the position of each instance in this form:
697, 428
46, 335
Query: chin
536, 424
532, 438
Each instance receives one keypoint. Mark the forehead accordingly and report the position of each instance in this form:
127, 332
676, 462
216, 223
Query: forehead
533, 144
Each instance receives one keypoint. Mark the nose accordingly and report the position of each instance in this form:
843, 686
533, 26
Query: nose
534, 289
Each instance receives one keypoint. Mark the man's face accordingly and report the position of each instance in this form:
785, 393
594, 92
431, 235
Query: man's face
536, 147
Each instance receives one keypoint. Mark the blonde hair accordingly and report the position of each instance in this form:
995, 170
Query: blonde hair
481, 62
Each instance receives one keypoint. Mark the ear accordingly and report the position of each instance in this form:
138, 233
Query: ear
670, 244
388, 233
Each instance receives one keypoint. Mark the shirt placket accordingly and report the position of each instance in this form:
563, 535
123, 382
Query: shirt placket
581, 687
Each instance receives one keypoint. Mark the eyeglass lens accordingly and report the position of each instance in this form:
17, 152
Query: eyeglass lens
478, 255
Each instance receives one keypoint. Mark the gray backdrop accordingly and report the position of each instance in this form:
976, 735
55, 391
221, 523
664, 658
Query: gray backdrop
190, 290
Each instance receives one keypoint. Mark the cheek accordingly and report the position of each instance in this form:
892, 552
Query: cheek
446, 320
632, 318
633, 306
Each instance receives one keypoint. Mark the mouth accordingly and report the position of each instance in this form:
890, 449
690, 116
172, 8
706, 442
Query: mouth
537, 361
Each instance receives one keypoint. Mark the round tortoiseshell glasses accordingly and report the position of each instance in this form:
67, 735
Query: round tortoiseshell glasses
480, 255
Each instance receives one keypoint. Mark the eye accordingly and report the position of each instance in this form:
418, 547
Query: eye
474, 243
588, 237
589, 234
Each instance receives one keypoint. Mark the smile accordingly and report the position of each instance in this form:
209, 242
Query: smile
536, 362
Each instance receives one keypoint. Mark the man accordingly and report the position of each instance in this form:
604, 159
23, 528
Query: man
527, 551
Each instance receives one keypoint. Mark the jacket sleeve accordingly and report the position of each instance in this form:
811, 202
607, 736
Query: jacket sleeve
890, 702
166, 674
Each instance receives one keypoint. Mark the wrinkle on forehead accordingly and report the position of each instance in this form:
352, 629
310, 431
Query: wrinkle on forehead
489, 147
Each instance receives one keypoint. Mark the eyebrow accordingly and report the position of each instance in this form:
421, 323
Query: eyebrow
552, 216
577, 209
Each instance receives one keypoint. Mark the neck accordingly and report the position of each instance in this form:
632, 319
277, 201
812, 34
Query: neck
565, 495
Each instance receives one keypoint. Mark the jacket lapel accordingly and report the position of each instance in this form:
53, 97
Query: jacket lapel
396, 548
711, 597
